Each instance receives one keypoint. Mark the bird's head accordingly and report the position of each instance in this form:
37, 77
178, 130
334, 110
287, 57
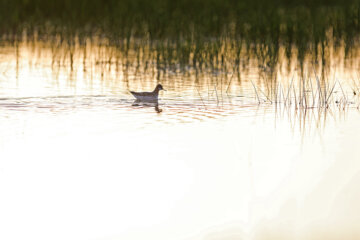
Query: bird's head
160, 87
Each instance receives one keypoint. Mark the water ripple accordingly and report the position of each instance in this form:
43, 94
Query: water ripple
171, 110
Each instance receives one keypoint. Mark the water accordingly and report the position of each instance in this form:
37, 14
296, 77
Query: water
81, 160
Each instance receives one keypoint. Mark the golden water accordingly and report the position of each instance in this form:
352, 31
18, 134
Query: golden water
80, 160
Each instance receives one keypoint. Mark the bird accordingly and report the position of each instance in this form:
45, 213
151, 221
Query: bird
148, 96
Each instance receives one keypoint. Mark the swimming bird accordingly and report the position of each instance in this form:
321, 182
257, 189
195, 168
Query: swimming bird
148, 96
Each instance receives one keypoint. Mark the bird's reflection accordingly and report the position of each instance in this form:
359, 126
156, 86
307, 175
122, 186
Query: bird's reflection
153, 103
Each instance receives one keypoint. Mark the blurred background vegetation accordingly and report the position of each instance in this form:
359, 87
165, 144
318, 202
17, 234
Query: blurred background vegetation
191, 27
287, 19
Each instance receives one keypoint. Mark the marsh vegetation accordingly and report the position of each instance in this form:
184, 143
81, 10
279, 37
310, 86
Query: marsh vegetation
190, 32
192, 37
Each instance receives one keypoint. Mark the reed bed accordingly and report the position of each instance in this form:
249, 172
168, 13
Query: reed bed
185, 31
222, 76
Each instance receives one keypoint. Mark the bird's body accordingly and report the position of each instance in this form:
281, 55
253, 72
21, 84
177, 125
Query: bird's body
148, 96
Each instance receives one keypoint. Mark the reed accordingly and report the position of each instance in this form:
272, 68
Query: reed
309, 96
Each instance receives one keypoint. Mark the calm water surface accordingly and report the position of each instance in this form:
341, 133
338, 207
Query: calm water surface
80, 160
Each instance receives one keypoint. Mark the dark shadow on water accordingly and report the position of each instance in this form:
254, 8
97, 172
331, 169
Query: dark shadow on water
153, 103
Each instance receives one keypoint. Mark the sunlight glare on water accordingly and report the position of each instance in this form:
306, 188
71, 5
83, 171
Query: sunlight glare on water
80, 160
